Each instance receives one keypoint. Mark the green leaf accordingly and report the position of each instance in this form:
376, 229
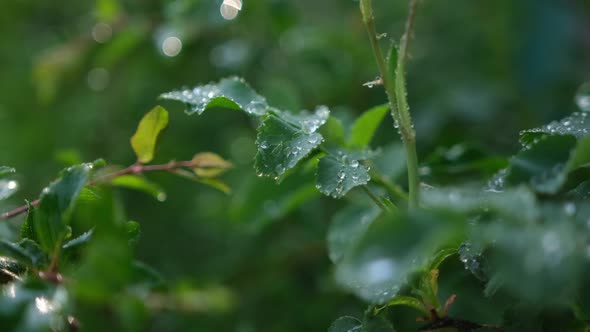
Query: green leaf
7, 188
364, 127
341, 171
80, 240
333, 131
551, 164
6, 170
284, 139
51, 217
140, 184
576, 125
34, 307
408, 301
393, 249
347, 227
440, 257
346, 324
518, 204
133, 232
26, 252
377, 324
461, 162
146, 137
209, 164
232, 93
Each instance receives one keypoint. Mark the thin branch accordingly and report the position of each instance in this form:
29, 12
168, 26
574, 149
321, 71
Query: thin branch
133, 169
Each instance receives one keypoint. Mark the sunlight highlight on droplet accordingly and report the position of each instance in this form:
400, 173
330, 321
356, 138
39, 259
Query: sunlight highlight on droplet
171, 46
101, 32
230, 8
43, 305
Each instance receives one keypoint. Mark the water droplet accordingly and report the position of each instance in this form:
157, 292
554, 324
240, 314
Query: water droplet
354, 164
570, 209
171, 46
583, 97
230, 9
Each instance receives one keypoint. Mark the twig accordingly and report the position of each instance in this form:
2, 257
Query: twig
133, 169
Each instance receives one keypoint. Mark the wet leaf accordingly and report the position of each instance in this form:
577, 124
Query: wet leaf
284, 139
232, 93
576, 125
552, 163
393, 248
341, 171
146, 137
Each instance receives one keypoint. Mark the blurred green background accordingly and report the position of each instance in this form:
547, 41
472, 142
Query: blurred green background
76, 77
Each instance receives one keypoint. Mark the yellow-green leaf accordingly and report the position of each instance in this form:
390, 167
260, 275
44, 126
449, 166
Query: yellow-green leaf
208, 164
145, 138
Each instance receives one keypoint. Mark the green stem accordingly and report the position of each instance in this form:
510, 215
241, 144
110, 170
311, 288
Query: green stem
374, 198
395, 88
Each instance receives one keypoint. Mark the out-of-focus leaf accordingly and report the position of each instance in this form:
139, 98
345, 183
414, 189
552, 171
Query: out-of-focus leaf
346, 324
146, 137
211, 182
541, 255
26, 252
216, 184
34, 307
210, 164
347, 227
516, 204
6, 170
52, 216
393, 248
140, 184
7, 188
377, 324
105, 267
284, 139
232, 93
261, 202
188, 299
339, 172
461, 162
364, 127
133, 232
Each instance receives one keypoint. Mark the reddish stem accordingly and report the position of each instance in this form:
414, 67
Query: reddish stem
133, 169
